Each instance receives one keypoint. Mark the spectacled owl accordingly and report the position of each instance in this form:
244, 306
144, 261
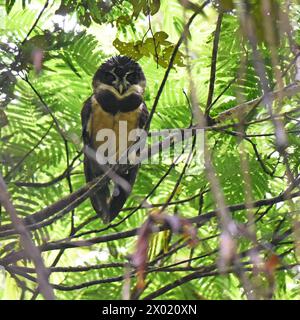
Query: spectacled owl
118, 91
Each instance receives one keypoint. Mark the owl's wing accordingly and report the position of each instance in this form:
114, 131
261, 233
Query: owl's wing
85, 118
144, 115
119, 195
91, 169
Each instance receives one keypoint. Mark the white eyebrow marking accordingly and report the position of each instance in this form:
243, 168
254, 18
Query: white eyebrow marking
113, 73
127, 74
135, 88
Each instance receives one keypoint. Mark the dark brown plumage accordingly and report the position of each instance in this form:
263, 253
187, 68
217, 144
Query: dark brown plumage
118, 87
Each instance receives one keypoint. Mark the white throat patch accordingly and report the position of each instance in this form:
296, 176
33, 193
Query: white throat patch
135, 88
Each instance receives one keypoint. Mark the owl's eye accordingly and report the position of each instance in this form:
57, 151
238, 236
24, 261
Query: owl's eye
109, 77
131, 77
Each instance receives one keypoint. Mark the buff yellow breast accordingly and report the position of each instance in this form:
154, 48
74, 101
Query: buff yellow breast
101, 119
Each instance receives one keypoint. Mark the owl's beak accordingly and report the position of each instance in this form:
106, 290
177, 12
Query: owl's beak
121, 88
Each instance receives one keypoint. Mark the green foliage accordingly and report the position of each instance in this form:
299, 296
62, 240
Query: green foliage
88, 11
145, 6
157, 47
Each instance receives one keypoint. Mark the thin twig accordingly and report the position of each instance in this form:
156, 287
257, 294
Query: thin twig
36, 22
214, 64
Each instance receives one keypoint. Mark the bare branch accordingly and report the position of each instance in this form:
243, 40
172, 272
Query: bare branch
30, 250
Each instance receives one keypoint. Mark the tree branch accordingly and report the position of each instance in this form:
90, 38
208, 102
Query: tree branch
30, 250
244, 108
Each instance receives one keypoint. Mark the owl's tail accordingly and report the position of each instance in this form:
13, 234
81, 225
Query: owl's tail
106, 206
120, 195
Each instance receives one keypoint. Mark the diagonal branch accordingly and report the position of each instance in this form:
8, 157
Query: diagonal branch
36, 21
172, 59
244, 108
30, 250
214, 64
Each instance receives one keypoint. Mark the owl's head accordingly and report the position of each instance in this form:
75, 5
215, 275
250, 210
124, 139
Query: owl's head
121, 75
